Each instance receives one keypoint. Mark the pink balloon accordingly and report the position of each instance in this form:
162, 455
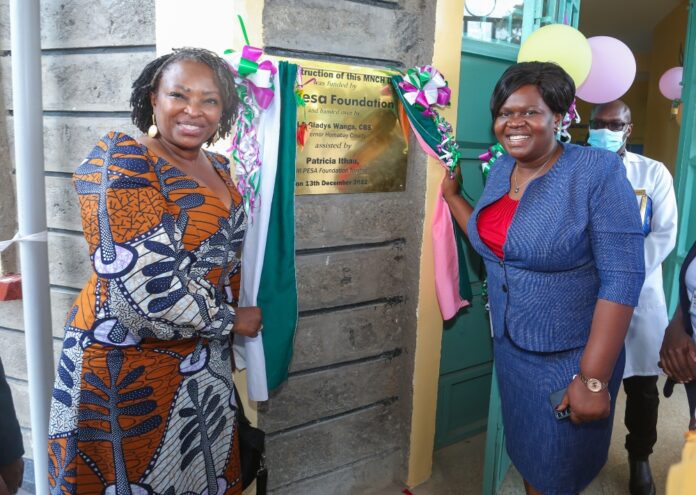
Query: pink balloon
670, 83
612, 72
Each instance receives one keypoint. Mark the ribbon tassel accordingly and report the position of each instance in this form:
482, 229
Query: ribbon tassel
254, 78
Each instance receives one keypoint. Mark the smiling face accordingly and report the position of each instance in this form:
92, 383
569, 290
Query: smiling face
525, 126
187, 104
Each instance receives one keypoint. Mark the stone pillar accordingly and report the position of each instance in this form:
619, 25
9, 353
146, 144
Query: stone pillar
342, 421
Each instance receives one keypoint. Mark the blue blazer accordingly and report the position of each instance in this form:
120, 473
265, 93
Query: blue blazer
576, 237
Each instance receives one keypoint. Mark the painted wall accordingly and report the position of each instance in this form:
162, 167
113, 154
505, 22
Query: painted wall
8, 210
636, 98
446, 58
662, 131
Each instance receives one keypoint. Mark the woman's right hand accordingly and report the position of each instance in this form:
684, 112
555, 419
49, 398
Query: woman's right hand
459, 207
451, 186
678, 352
248, 321
11, 476
584, 404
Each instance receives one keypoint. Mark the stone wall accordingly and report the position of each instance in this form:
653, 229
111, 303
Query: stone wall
341, 422
8, 210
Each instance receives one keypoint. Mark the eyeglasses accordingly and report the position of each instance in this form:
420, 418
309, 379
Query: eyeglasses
612, 125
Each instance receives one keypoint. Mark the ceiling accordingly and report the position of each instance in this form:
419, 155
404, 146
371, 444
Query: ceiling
631, 21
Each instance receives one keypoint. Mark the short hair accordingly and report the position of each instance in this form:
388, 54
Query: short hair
149, 79
618, 104
556, 87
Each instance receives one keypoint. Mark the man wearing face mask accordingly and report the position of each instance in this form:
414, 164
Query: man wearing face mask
610, 127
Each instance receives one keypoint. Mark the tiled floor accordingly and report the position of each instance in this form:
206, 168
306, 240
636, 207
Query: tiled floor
458, 469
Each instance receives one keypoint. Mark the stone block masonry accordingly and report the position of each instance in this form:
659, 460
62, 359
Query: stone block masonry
340, 424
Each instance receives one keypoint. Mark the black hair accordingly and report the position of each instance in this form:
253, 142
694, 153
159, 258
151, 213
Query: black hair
556, 87
148, 81
617, 103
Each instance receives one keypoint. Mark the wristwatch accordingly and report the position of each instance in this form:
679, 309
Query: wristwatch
593, 384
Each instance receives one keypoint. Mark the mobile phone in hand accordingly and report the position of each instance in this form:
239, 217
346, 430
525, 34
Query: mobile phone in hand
555, 398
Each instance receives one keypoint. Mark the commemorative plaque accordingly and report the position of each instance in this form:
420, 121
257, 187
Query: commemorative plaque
353, 140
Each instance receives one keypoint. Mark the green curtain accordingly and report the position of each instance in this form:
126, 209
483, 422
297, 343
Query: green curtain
277, 295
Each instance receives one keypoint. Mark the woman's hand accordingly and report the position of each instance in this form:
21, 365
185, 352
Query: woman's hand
451, 186
11, 476
585, 405
678, 352
248, 321
460, 209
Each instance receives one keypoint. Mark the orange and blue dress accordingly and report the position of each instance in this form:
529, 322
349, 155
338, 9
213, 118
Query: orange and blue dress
144, 401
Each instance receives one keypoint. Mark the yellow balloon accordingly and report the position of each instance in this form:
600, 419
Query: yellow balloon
561, 44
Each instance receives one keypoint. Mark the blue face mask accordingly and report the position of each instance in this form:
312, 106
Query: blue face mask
604, 138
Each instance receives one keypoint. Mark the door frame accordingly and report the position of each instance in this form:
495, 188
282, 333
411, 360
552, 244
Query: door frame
685, 170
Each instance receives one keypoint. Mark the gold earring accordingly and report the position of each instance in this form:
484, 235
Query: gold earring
153, 131
216, 136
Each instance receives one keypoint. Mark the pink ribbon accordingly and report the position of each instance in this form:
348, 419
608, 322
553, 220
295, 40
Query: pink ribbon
251, 53
259, 76
263, 95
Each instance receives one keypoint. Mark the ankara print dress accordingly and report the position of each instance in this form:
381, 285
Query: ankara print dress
143, 400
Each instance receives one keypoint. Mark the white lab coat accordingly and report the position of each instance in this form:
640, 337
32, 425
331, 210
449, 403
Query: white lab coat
650, 318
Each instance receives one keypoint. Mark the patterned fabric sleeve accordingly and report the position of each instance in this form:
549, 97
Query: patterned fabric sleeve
616, 235
155, 286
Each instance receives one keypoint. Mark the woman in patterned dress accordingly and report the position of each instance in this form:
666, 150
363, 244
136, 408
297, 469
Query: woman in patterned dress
143, 400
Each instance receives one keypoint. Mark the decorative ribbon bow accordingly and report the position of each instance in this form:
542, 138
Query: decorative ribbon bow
448, 149
489, 157
424, 87
255, 90
259, 75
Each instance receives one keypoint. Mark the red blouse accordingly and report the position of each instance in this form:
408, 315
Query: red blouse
494, 221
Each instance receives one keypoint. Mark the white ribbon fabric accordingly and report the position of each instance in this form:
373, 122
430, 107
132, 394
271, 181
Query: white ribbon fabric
248, 351
38, 237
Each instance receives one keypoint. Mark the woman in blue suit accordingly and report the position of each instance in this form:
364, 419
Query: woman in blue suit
559, 230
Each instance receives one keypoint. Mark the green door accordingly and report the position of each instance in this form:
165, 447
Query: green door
467, 396
685, 176
467, 358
